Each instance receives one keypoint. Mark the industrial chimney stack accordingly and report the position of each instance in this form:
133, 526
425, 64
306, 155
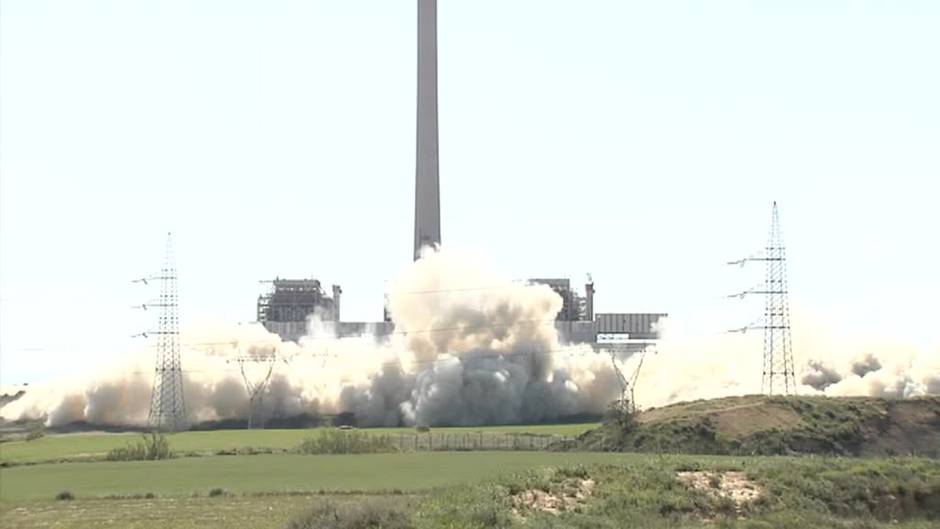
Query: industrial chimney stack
427, 182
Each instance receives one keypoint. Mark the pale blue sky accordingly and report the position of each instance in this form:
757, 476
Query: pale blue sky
642, 142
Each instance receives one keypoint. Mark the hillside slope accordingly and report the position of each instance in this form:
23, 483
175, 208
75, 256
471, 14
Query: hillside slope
850, 426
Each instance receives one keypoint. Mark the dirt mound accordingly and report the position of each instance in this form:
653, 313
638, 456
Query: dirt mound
850, 426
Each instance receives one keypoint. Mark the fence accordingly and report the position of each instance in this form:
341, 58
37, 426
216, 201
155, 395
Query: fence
418, 442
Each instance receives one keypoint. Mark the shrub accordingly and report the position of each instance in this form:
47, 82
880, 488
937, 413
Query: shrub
36, 432
345, 442
217, 492
372, 513
150, 447
65, 495
621, 417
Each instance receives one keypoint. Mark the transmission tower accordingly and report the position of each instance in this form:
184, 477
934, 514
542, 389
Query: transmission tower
167, 405
778, 367
627, 404
266, 358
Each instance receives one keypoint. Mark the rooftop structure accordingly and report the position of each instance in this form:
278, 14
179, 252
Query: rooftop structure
295, 300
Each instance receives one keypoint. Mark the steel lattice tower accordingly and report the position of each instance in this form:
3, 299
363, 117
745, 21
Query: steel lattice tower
778, 371
777, 376
167, 405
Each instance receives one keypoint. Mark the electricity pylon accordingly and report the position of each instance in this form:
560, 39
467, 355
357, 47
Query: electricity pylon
167, 403
778, 367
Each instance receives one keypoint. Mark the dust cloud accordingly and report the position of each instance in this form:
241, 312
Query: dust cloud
469, 348
690, 367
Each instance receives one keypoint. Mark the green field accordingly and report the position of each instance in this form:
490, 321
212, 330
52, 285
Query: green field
262, 479
228, 512
276, 473
91, 445
472, 490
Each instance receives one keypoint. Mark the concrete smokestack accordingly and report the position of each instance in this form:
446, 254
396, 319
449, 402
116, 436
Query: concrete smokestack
427, 182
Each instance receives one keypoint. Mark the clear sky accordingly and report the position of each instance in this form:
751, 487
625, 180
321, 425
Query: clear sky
641, 142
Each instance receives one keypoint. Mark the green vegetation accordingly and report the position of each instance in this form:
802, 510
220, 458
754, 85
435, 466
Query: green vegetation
274, 473
84, 446
779, 425
367, 513
628, 491
150, 447
352, 479
645, 492
475, 490
191, 512
330, 441
35, 431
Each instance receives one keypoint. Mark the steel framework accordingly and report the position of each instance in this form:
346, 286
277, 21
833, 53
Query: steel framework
625, 403
266, 358
167, 403
778, 367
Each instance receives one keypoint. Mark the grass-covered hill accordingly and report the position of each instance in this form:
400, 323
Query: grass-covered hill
849, 426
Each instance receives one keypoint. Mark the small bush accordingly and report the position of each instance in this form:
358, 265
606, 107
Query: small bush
621, 417
35, 433
65, 495
216, 492
146, 496
345, 442
372, 513
150, 447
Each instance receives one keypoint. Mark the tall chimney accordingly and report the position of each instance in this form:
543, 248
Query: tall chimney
337, 293
589, 304
427, 182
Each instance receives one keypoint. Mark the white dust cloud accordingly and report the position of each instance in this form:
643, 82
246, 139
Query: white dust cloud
471, 349
468, 349
688, 367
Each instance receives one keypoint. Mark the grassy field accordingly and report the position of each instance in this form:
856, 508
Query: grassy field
275, 473
226, 512
648, 493
280, 488
89, 445
479, 489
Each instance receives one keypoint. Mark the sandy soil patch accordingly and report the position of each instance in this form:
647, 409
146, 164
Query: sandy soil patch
570, 495
732, 485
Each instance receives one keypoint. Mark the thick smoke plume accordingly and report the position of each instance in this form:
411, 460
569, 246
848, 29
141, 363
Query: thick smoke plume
468, 349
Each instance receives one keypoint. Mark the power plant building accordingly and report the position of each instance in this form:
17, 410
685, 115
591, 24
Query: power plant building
292, 304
